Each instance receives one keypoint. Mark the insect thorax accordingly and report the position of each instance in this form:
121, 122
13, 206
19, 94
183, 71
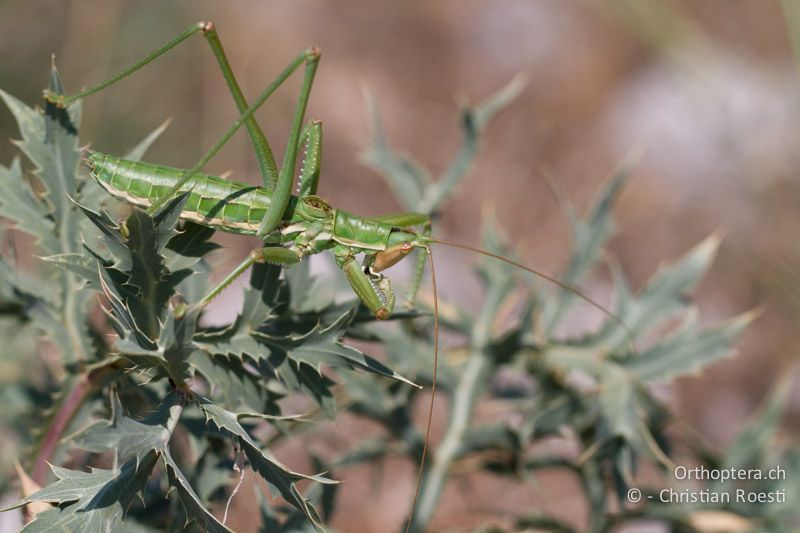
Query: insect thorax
360, 232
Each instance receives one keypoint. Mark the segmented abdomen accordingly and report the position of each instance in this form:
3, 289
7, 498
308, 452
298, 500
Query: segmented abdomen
213, 201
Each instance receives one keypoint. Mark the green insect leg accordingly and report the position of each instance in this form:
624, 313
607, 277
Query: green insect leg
266, 161
374, 291
271, 254
245, 116
283, 189
311, 140
406, 220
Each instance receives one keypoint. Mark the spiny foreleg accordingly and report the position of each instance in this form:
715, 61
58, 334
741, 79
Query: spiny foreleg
373, 289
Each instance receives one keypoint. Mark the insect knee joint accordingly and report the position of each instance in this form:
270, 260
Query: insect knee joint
258, 256
205, 26
313, 53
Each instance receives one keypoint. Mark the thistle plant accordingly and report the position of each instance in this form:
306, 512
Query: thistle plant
145, 416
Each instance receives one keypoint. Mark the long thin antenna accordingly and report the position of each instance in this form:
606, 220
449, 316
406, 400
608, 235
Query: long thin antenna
551, 279
433, 386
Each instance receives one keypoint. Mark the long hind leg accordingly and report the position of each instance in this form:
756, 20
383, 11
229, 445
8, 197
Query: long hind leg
272, 254
310, 58
264, 155
280, 183
282, 191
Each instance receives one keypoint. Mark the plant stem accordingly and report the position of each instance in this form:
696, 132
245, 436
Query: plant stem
595, 490
479, 368
59, 422
80, 388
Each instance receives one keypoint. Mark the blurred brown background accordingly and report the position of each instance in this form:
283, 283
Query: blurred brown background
710, 89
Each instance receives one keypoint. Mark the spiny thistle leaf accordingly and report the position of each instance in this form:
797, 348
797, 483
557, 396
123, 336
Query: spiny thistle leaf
138, 283
79, 264
754, 442
662, 298
192, 504
135, 441
172, 350
50, 142
260, 302
407, 177
235, 385
494, 273
295, 359
19, 203
296, 522
473, 120
149, 284
111, 238
322, 346
412, 356
90, 501
309, 294
122, 319
267, 466
624, 414
687, 351
132, 439
590, 235
412, 183
186, 248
